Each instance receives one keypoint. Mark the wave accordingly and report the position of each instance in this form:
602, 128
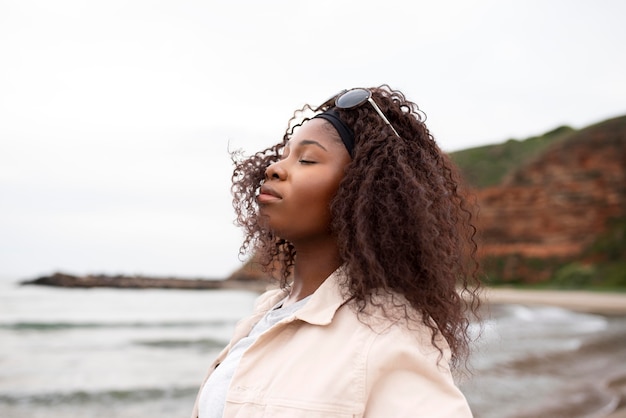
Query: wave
576, 401
62, 325
99, 397
600, 346
203, 343
551, 316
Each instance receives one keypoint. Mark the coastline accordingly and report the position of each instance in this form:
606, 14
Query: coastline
58, 279
600, 303
606, 380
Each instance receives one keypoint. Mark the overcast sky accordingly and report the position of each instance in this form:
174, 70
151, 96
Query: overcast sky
116, 116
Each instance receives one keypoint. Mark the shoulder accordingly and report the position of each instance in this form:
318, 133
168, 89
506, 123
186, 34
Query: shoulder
393, 322
408, 369
404, 362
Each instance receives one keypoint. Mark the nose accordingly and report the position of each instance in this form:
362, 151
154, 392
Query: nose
275, 171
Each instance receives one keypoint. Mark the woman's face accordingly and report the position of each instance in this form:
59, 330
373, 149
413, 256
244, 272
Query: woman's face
295, 197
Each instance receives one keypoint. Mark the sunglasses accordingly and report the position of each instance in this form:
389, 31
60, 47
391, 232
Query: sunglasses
349, 99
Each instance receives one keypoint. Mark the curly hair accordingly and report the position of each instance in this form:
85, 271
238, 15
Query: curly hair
402, 222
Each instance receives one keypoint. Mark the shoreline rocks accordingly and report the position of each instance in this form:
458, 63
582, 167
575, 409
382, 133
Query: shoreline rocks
140, 282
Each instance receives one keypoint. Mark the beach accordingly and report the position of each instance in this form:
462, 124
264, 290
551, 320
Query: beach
574, 300
599, 303
139, 353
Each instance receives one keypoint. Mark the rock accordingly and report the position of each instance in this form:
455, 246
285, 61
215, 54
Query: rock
140, 282
555, 206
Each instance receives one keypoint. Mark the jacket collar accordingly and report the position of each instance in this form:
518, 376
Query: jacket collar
325, 301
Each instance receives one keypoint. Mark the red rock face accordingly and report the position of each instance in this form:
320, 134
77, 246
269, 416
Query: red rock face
557, 204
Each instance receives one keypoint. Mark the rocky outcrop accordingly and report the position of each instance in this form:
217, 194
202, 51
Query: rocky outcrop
140, 282
557, 204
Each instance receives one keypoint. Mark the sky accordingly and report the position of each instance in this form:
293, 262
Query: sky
117, 117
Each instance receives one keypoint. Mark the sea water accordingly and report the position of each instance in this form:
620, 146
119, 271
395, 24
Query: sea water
545, 361
143, 353
109, 352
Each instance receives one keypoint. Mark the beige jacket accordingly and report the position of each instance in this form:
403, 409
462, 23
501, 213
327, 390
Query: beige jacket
327, 362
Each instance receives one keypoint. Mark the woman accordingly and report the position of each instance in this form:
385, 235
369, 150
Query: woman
358, 212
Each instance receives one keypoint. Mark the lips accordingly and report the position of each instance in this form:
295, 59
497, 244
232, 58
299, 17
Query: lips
268, 194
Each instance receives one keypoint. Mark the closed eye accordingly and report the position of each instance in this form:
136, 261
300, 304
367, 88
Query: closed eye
307, 162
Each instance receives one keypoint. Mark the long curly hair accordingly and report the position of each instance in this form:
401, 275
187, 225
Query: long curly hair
402, 222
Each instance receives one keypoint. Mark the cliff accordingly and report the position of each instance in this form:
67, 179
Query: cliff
552, 208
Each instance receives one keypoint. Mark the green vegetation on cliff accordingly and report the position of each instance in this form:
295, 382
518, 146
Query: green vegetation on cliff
604, 260
601, 266
487, 165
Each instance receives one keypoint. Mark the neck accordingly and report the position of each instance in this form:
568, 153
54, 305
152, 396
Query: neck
314, 263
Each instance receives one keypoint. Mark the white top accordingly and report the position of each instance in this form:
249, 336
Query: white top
213, 397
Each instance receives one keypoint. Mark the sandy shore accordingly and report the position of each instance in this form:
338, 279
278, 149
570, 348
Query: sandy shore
580, 301
610, 304
620, 413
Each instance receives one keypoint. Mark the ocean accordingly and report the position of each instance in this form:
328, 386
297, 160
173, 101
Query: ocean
142, 353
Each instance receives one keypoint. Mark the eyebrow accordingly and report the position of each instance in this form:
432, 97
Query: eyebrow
311, 142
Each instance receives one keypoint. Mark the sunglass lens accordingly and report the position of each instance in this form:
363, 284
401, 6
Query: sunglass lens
352, 98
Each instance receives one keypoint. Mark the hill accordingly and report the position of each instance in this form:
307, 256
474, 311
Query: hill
552, 207
487, 165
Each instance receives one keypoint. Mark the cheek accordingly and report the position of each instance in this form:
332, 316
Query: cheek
320, 194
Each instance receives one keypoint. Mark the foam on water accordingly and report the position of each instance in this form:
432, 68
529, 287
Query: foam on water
546, 361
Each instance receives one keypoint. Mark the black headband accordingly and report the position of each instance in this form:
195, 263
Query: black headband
344, 131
